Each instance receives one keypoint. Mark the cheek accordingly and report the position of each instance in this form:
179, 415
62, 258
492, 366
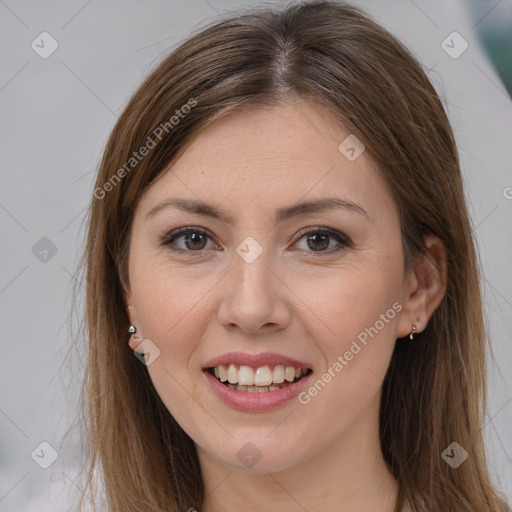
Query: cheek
353, 299
171, 304
172, 312
355, 328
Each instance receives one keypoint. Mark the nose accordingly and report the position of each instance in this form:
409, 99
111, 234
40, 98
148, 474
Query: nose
254, 296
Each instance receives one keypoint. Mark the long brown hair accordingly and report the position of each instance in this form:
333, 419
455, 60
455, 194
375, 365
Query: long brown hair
335, 55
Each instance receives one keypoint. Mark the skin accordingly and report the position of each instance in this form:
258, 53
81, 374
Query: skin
323, 455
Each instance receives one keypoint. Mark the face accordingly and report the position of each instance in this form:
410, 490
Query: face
265, 287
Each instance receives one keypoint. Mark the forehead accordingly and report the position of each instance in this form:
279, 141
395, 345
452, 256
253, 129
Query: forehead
270, 155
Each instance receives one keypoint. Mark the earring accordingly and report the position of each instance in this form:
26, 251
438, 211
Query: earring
132, 331
411, 335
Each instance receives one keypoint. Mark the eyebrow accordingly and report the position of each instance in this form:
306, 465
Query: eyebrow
207, 210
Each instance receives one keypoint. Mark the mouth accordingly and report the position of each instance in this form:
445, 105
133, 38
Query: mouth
259, 379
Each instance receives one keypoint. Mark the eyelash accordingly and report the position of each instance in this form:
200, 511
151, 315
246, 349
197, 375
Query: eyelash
343, 240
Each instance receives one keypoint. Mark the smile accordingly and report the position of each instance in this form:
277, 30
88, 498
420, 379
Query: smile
257, 380
253, 397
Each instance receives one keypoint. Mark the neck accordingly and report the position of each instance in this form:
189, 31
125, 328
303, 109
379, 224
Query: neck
350, 475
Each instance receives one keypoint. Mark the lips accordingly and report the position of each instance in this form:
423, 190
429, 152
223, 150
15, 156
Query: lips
256, 360
256, 382
265, 400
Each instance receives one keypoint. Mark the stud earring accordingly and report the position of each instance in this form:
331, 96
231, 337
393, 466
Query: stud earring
411, 335
132, 330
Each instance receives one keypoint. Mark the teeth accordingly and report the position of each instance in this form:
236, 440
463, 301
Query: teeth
263, 376
223, 374
278, 374
246, 378
289, 373
246, 375
232, 374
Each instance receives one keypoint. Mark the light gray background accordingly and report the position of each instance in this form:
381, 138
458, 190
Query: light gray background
56, 116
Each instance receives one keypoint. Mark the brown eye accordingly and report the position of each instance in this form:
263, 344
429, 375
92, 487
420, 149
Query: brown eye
194, 239
319, 240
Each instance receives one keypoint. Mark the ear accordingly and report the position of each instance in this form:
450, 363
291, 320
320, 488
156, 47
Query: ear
425, 287
130, 310
137, 338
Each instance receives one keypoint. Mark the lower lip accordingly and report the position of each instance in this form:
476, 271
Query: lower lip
255, 401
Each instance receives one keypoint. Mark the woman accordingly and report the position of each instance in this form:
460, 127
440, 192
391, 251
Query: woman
279, 234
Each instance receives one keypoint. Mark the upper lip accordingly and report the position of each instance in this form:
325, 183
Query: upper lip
255, 360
